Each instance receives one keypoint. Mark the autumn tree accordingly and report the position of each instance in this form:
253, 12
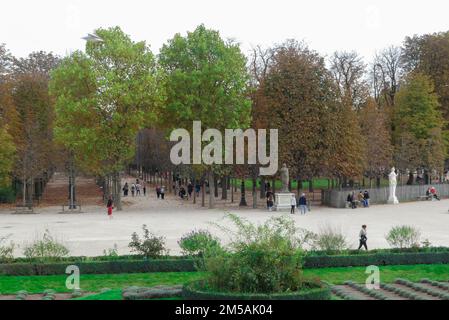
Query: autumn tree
297, 96
418, 123
378, 147
206, 80
103, 98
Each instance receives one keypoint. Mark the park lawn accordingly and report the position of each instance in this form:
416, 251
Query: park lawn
116, 282
436, 272
94, 282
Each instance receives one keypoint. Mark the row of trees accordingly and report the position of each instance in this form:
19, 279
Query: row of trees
337, 118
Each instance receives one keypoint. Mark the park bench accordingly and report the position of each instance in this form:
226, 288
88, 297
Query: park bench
77, 210
24, 209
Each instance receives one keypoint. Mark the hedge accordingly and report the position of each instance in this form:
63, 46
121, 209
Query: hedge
188, 264
378, 259
99, 267
194, 291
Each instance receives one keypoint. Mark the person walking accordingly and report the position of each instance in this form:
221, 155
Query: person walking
110, 206
162, 192
158, 191
269, 196
302, 203
293, 203
125, 189
363, 238
144, 189
138, 186
133, 189
197, 189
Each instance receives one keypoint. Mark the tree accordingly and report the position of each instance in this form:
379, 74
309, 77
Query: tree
298, 98
348, 70
387, 72
429, 54
418, 124
103, 98
7, 154
378, 147
207, 80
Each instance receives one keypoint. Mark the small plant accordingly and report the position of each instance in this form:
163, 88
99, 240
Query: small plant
403, 237
150, 246
330, 239
6, 251
198, 243
47, 248
111, 252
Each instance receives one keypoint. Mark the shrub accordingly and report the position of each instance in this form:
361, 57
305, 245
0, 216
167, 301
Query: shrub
111, 253
46, 249
150, 246
7, 195
265, 258
198, 243
403, 237
330, 240
6, 251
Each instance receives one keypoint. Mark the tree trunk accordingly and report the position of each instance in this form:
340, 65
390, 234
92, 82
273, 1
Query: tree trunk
262, 188
232, 190
24, 191
242, 198
211, 190
216, 186
224, 188
254, 192
203, 191
117, 193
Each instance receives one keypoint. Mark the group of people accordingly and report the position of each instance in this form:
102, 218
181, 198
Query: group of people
187, 194
160, 192
362, 197
136, 189
301, 204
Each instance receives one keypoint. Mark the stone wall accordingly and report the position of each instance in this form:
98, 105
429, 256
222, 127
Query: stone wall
337, 198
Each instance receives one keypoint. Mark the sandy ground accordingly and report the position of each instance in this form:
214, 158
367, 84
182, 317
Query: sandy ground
91, 232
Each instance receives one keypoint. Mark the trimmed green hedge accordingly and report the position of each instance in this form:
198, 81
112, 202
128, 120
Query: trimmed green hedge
7, 195
188, 264
195, 291
378, 259
106, 267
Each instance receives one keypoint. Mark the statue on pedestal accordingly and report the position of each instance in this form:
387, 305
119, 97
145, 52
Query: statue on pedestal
392, 199
284, 178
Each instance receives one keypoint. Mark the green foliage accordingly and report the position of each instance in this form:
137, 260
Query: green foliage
198, 243
265, 258
6, 251
403, 237
150, 246
7, 156
103, 98
206, 79
418, 124
46, 249
330, 240
111, 253
7, 195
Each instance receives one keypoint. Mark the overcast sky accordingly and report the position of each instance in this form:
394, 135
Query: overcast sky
326, 25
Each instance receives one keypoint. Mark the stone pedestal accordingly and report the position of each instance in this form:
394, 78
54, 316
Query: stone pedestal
283, 201
393, 200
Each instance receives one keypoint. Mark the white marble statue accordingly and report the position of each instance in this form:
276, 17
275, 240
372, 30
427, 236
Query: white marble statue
392, 199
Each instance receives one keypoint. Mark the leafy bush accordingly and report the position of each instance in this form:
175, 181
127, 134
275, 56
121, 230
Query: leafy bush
7, 195
330, 240
150, 246
265, 258
6, 251
403, 237
46, 249
198, 243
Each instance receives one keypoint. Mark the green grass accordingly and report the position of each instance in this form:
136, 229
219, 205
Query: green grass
94, 283
437, 272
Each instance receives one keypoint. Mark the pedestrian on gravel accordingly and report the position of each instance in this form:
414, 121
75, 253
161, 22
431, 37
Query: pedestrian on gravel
110, 206
363, 238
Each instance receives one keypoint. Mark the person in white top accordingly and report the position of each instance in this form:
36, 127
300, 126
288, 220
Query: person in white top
363, 238
293, 203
